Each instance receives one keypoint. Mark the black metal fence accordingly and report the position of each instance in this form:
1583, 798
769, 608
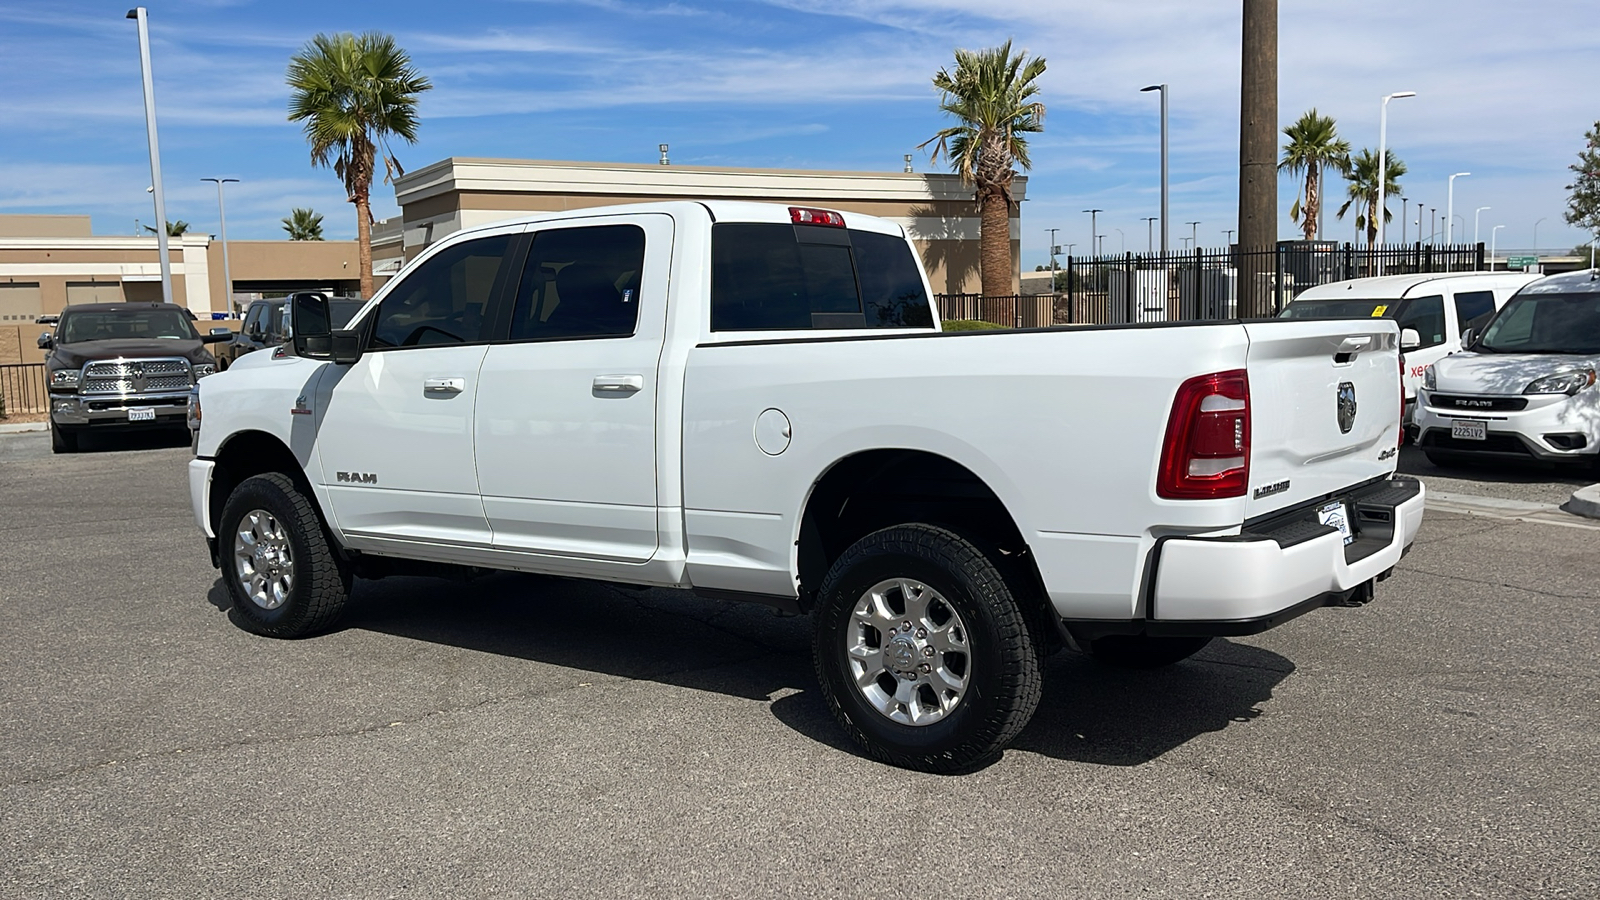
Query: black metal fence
23, 389
1202, 284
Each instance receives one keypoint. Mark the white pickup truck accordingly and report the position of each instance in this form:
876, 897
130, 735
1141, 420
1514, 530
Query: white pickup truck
756, 402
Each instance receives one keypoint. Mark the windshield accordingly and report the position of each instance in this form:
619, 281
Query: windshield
1341, 309
122, 325
1545, 323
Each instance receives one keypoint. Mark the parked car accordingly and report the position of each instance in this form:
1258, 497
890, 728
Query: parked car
1524, 389
1438, 307
122, 365
266, 325
756, 402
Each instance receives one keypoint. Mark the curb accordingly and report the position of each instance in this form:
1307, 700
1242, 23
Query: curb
1585, 502
19, 427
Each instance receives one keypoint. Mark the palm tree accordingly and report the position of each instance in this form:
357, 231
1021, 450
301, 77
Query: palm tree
1313, 145
353, 93
303, 225
1363, 190
174, 229
990, 93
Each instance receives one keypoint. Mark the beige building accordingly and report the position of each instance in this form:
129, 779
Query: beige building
937, 211
49, 261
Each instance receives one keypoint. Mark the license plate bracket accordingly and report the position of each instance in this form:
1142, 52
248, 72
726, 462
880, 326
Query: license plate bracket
1336, 515
141, 414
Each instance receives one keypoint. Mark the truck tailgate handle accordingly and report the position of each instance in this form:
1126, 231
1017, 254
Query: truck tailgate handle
618, 384
444, 385
1351, 346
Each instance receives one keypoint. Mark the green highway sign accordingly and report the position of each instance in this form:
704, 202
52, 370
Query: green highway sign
1521, 262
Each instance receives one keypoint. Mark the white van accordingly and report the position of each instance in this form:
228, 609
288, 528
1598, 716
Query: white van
1438, 307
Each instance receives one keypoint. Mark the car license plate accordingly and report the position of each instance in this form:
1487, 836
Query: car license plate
1469, 429
142, 414
1336, 516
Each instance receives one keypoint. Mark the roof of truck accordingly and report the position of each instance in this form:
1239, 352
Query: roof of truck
1396, 286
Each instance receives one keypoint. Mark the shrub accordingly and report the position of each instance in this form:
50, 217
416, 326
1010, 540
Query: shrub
970, 325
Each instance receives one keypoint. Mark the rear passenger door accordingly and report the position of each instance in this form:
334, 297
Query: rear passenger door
566, 425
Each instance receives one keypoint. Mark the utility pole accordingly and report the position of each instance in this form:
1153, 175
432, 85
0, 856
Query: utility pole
1258, 155
138, 15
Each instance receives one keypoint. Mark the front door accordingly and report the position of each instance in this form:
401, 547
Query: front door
566, 419
396, 433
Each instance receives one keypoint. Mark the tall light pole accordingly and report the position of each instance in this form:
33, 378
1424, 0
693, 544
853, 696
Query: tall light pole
138, 15
1149, 225
1194, 237
1536, 235
1094, 230
1475, 222
1403, 208
1450, 206
1494, 235
222, 213
1163, 89
1229, 232
1433, 223
1383, 165
1122, 241
1053, 249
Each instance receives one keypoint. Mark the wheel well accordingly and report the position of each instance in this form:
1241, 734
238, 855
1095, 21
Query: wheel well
250, 453
881, 488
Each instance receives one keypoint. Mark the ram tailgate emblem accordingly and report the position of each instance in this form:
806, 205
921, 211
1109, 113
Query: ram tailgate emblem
357, 477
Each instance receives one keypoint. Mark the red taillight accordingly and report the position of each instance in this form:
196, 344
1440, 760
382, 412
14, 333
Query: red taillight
1206, 454
803, 216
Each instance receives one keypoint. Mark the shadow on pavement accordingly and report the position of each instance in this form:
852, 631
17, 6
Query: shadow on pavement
1089, 713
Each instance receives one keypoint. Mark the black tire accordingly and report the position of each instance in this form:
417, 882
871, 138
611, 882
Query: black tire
320, 584
62, 440
1001, 668
1141, 651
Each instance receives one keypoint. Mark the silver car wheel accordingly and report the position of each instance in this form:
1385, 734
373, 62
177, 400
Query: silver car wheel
263, 562
908, 653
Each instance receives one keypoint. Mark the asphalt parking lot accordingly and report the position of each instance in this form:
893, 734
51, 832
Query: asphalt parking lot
522, 736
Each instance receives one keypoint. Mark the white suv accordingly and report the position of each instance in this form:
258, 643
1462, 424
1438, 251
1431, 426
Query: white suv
1524, 389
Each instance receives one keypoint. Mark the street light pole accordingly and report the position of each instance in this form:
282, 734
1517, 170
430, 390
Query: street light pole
1403, 209
1536, 235
1494, 235
1383, 165
222, 213
1094, 230
1163, 89
1433, 223
138, 15
1450, 207
1194, 237
1229, 232
1053, 258
1122, 241
1149, 225
1475, 222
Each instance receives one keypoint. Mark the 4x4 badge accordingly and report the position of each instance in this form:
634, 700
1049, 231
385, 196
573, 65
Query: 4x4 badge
1347, 406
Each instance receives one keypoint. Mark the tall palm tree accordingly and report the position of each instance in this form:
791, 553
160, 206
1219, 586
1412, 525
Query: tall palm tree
303, 225
991, 95
1363, 189
354, 93
1313, 145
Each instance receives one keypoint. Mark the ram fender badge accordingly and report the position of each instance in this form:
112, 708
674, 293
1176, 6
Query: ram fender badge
300, 408
1347, 406
357, 477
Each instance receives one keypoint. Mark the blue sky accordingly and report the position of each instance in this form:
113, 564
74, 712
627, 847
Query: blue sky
783, 83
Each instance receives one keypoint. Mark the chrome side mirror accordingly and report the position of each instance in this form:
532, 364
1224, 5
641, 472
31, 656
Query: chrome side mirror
46, 341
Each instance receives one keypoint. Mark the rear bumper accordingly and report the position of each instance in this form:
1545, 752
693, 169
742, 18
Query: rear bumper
1276, 569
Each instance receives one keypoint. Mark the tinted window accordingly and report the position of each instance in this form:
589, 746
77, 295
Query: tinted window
1339, 309
580, 282
443, 301
764, 277
1426, 315
170, 324
1473, 309
252, 319
340, 312
1545, 323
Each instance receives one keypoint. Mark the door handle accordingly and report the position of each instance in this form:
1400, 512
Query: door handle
444, 385
618, 384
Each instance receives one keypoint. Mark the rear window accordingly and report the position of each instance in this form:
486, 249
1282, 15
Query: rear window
798, 277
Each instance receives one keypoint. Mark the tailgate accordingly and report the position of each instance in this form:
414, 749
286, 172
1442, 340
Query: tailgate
1306, 377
